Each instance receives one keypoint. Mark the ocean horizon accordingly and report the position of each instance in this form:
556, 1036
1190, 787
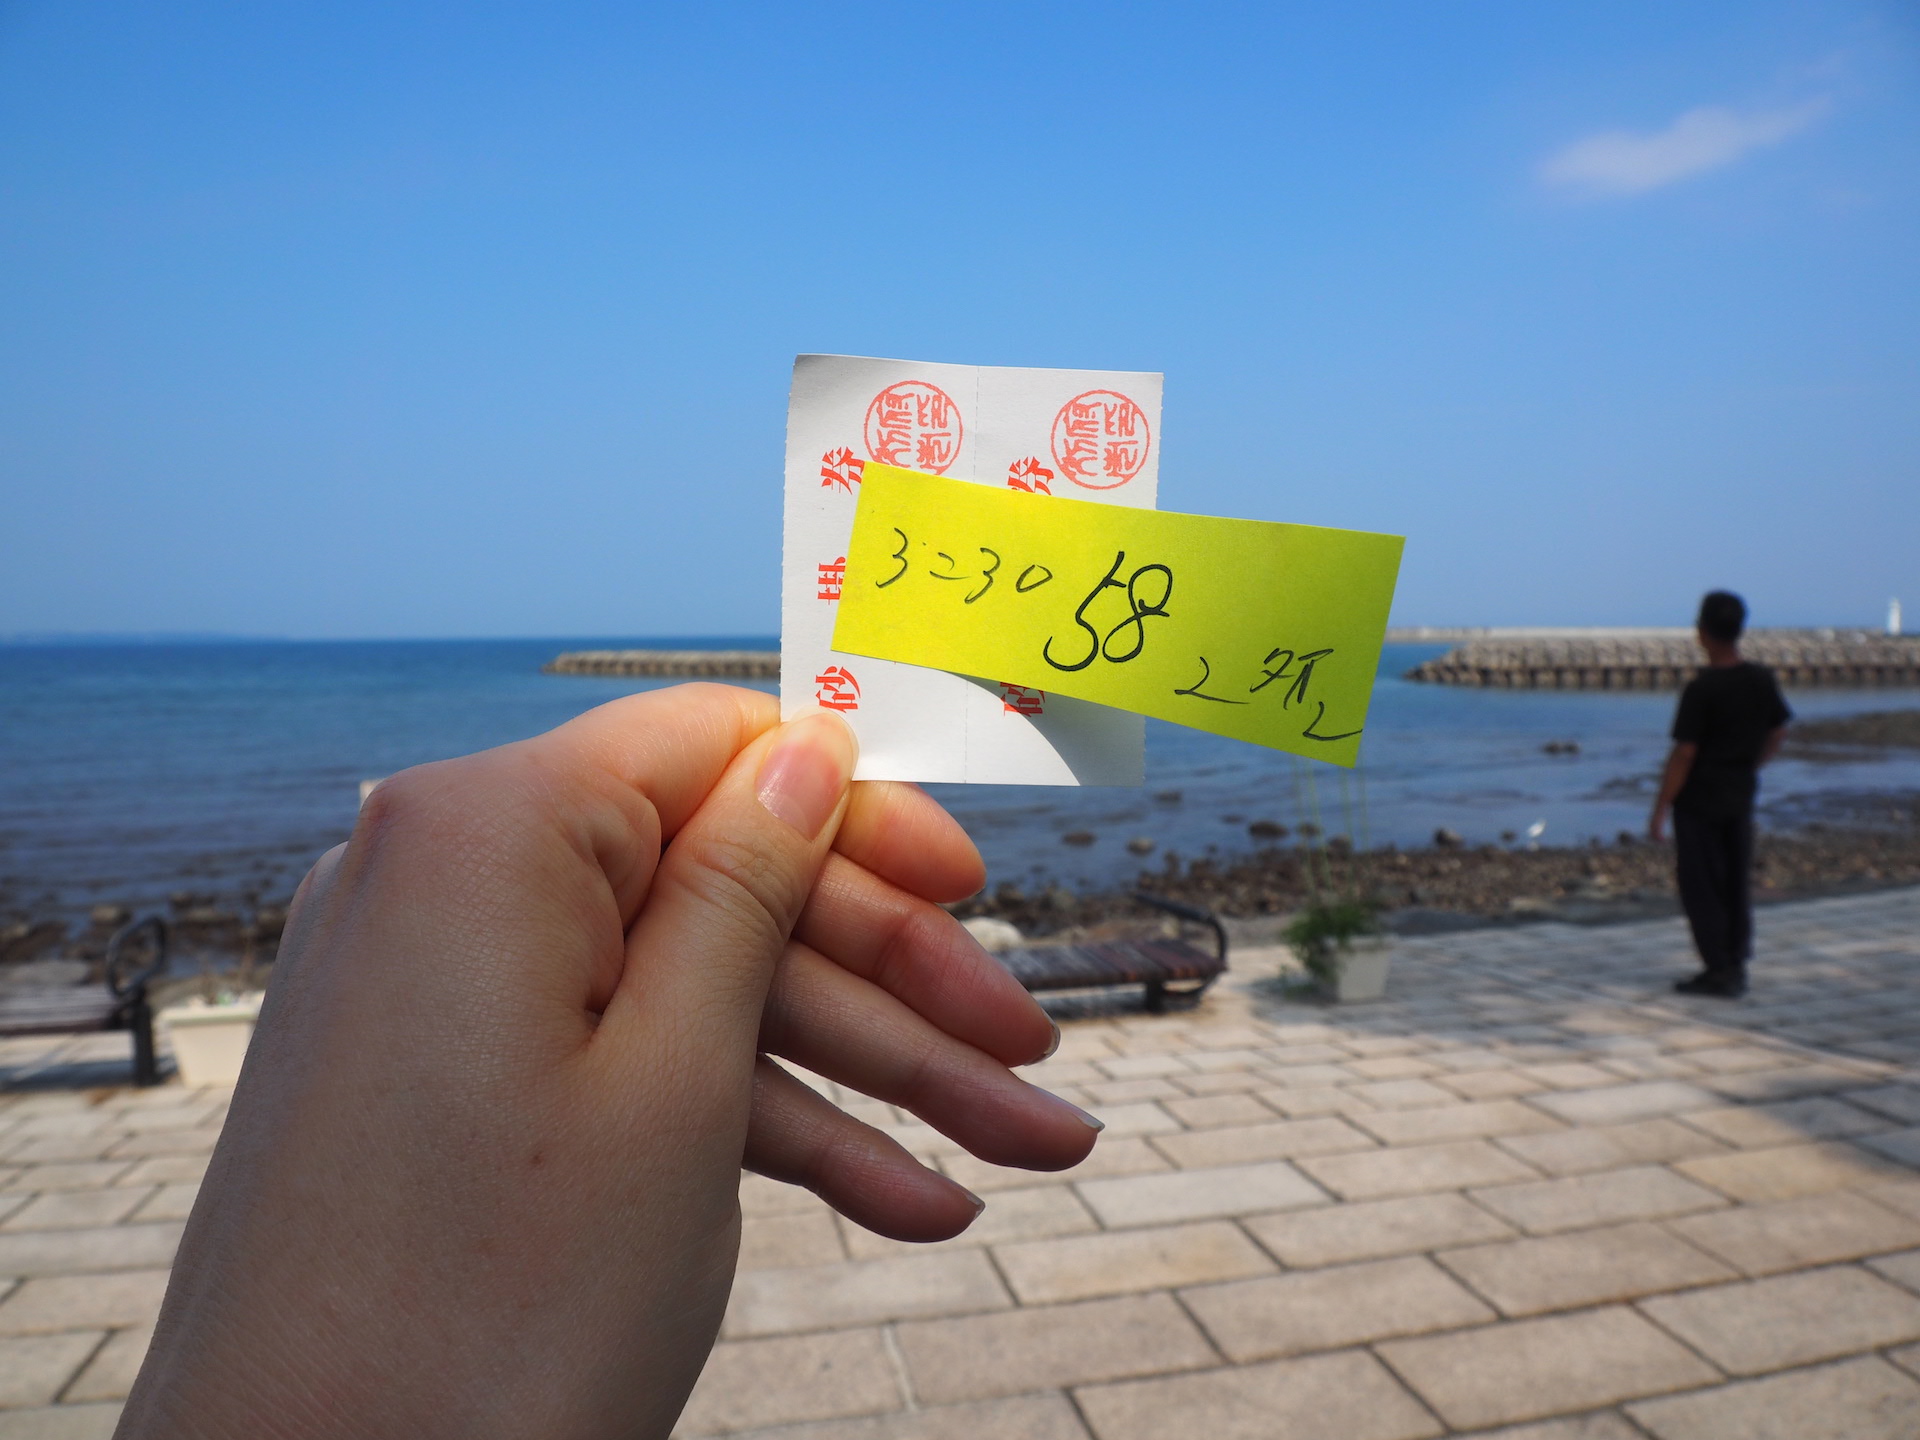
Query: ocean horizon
131, 770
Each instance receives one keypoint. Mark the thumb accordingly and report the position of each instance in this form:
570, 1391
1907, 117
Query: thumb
728, 891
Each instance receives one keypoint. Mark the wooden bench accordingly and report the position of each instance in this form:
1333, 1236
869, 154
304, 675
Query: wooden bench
136, 954
1169, 968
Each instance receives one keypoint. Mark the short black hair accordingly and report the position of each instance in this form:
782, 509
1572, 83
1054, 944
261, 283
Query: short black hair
1723, 615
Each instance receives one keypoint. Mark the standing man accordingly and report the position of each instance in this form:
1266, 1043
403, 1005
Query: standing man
1729, 724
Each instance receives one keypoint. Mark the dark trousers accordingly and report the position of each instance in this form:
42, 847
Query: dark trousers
1715, 858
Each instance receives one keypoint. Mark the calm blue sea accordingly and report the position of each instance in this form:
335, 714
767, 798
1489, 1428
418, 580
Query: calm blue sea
128, 772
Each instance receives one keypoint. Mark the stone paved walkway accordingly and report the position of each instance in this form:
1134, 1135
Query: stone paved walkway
1532, 1189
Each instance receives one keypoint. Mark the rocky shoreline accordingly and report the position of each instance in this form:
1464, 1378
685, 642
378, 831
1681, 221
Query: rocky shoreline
1448, 885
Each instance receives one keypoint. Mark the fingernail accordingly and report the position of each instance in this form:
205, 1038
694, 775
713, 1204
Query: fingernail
807, 771
974, 1200
1092, 1122
1053, 1044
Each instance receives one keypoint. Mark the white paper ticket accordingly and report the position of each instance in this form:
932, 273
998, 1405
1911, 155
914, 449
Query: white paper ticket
1090, 434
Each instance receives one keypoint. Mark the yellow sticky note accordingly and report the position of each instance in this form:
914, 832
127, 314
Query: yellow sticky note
1261, 631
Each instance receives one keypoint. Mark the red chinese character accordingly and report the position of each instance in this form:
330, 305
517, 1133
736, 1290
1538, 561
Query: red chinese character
914, 424
1100, 439
1029, 475
831, 574
838, 690
1022, 699
840, 467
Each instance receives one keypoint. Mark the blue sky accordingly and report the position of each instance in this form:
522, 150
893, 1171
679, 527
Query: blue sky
476, 319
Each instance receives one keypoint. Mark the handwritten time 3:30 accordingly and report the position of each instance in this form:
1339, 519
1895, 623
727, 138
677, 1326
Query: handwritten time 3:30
1147, 589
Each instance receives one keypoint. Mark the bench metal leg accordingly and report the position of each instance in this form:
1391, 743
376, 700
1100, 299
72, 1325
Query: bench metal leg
146, 1069
1156, 997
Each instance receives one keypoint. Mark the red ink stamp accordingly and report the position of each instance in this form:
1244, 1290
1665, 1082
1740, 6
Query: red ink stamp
840, 467
1100, 439
1022, 699
832, 573
914, 425
1029, 475
838, 690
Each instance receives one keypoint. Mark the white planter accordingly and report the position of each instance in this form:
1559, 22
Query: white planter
1363, 968
210, 1041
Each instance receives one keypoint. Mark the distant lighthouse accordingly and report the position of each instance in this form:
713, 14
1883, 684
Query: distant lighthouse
1893, 617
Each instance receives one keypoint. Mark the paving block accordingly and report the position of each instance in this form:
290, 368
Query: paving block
1140, 1118
1455, 1122
1036, 1213
1106, 1094
110, 1374
1795, 1234
1589, 1267
1199, 1194
1048, 1347
1392, 1067
191, 1169
1617, 1104
1900, 1103
1900, 1146
1790, 1170
862, 1292
1273, 1140
1903, 1269
1611, 1147
1310, 1100
1787, 1083
778, 1242
1210, 1111
83, 1175
1864, 1399
1371, 1229
77, 1209
1349, 1396
1571, 1075
1140, 1067
48, 1303
1532, 1369
1489, 1084
1414, 1169
1789, 1122
58, 1149
113, 1247
164, 1142
1022, 1417
34, 1369
1327, 1309
1761, 1325
1121, 1262
1403, 1094
1599, 1425
61, 1422
1575, 1202
749, 1383
169, 1202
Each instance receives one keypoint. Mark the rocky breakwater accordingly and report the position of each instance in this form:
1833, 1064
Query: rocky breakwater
1800, 658
711, 664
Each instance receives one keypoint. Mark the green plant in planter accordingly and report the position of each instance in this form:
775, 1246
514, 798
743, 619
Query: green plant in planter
1319, 931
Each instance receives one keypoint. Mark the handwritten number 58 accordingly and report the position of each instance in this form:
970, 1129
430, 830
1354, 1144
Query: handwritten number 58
1142, 602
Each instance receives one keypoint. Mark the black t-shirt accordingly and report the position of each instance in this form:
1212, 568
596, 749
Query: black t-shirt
1728, 711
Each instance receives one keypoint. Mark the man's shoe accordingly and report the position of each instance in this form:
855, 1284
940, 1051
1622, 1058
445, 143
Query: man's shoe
1707, 983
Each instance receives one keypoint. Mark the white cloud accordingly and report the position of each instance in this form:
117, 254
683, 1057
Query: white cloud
1620, 162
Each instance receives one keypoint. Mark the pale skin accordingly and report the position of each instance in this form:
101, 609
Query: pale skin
480, 1176
1720, 653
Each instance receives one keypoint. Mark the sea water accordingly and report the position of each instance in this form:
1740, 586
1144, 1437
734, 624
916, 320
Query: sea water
129, 772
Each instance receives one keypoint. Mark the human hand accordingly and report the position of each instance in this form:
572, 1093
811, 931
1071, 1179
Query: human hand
480, 1176
1657, 825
